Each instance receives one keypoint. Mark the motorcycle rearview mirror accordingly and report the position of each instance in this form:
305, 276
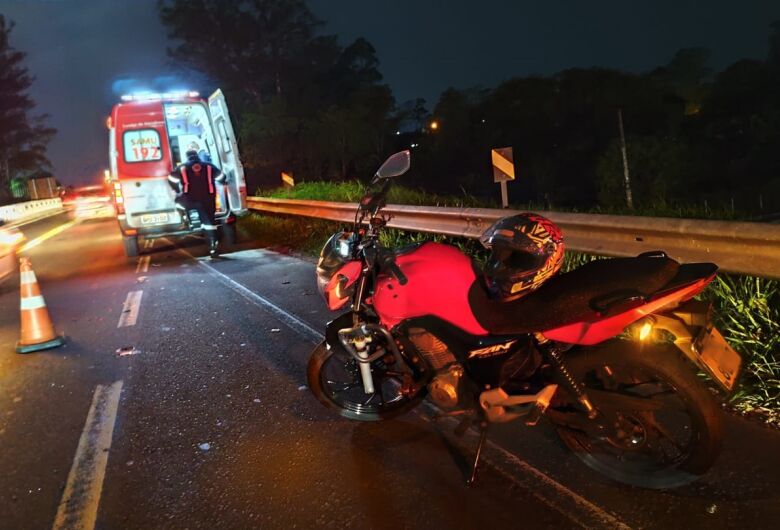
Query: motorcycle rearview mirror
396, 165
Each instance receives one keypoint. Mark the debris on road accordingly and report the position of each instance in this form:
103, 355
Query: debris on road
275, 330
127, 350
302, 388
205, 446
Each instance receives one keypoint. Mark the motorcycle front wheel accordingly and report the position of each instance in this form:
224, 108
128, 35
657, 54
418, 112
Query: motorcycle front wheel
334, 379
670, 440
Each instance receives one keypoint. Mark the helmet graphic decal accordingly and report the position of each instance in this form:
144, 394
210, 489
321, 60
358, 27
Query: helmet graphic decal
526, 250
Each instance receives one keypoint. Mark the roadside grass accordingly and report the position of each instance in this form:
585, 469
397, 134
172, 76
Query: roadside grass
352, 191
301, 234
747, 308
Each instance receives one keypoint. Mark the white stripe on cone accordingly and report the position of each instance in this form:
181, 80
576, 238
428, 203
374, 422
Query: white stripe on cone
28, 277
32, 302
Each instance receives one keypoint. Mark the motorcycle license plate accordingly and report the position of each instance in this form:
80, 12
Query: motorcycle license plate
721, 360
154, 219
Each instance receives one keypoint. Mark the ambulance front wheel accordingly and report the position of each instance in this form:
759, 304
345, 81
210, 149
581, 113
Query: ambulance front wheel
131, 246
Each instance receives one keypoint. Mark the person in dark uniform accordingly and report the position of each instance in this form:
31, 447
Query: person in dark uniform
194, 182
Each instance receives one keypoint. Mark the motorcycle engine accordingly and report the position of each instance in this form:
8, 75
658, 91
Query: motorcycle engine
446, 386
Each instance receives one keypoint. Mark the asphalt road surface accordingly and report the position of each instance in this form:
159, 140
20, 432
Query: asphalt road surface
179, 401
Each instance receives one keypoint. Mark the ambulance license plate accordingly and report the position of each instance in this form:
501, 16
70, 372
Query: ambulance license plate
154, 219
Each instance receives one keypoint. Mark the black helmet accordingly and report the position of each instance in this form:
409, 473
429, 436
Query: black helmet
192, 154
525, 250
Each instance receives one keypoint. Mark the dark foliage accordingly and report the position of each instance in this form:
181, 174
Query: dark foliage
304, 103
695, 138
23, 137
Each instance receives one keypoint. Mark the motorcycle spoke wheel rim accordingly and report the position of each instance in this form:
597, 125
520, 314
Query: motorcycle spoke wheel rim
340, 378
641, 441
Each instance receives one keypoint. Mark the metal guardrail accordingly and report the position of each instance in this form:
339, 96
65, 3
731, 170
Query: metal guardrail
22, 211
738, 247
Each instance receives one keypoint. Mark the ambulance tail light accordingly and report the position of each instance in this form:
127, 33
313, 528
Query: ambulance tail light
119, 199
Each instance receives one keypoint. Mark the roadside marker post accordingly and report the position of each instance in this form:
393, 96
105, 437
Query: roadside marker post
503, 170
287, 179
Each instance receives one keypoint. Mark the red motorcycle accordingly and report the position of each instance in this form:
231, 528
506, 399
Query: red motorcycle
609, 353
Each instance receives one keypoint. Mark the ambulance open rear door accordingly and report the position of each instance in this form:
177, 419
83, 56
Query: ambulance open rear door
227, 148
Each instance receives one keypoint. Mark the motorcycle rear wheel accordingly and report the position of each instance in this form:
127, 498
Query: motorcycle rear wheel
334, 379
663, 448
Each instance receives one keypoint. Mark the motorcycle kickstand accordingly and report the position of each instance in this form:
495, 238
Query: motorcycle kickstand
483, 426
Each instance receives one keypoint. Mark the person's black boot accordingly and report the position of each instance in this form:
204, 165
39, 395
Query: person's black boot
212, 237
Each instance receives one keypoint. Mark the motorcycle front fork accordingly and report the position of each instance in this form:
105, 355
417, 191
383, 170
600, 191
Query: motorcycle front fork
365, 370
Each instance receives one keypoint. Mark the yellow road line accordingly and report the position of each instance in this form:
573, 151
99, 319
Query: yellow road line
46, 235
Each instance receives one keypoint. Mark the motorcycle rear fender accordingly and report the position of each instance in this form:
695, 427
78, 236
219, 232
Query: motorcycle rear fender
695, 336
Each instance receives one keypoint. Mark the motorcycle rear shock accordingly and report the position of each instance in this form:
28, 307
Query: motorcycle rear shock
553, 353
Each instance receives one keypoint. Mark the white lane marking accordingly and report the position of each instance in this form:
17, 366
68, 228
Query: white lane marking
47, 235
130, 309
577, 508
79, 505
293, 322
554, 494
143, 264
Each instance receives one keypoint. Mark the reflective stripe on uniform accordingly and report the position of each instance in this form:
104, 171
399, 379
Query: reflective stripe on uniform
185, 179
208, 176
32, 302
174, 179
27, 277
208, 227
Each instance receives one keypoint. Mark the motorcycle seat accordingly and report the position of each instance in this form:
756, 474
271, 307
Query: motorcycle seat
583, 294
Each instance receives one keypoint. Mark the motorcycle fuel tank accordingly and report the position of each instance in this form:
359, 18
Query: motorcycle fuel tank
440, 277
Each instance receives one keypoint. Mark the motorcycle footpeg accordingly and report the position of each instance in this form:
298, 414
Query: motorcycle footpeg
534, 415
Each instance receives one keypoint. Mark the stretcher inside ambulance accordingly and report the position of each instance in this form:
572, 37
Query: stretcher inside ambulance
149, 135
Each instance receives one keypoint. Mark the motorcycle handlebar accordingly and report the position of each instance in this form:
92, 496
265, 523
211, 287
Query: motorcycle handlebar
387, 263
399, 275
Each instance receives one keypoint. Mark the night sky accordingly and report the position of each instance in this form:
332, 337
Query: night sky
81, 50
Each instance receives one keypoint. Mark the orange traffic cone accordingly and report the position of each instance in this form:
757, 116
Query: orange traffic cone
37, 330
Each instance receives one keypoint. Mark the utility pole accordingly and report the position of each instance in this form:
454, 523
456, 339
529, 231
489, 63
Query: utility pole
626, 176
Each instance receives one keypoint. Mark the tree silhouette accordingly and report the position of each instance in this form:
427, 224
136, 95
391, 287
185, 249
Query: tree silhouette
23, 137
303, 102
